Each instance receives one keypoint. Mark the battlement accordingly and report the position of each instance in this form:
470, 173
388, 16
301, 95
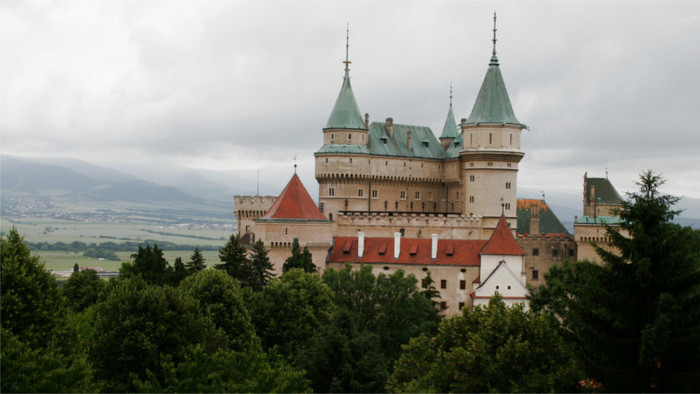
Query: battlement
411, 224
253, 203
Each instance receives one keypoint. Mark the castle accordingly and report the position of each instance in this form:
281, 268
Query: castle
394, 196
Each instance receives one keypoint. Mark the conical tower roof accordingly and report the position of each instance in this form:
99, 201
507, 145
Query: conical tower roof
294, 203
502, 241
492, 104
450, 128
346, 114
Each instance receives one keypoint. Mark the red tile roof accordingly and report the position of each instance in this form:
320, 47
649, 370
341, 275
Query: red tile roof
381, 251
294, 203
502, 241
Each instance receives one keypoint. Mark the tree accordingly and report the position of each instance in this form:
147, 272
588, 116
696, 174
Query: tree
138, 326
261, 266
221, 298
225, 371
288, 311
299, 259
235, 261
149, 264
31, 302
196, 262
491, 349
39, 351
83, 289
178, 273
431, 292
635, 318
375, 316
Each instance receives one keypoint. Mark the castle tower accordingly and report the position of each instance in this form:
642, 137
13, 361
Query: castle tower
491, 152
449, 131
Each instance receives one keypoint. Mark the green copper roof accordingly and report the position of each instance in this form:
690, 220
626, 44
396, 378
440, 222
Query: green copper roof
450, 128
549, 223
455, 147
605, 192
346, 114
611, 220
492, 104
380, 143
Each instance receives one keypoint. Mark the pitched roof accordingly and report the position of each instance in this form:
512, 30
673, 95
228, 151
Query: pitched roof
502, 266
492, 105
502, 241
294, 203
549, 223
346, 114
381, 143
413, 251
450, 128
605, 192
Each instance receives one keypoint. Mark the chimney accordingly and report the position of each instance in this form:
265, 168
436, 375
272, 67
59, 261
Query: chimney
390, 126
397, 245
409, 141
367, 120
433, 250
360, 244
534, 221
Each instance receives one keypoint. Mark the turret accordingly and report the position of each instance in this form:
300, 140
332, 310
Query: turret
449, 131
491, 152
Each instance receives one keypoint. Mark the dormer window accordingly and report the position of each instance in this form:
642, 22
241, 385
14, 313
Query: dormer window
425, 143
384, 139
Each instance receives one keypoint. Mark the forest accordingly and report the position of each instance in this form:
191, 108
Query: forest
629, 324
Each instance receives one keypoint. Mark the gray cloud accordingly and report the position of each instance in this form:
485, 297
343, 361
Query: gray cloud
250, 84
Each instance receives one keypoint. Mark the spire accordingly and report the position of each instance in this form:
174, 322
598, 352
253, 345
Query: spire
492, 104
346, 114
450, 128
294, 203
502, 241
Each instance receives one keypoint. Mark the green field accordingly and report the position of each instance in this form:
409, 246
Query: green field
51, 231
58, 261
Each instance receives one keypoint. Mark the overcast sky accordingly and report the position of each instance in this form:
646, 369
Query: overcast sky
233, 84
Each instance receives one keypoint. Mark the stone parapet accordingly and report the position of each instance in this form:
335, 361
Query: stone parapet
412, 225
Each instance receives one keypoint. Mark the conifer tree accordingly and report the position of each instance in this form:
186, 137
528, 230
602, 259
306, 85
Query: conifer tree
234, 260
261, 266
299, 259
196, 262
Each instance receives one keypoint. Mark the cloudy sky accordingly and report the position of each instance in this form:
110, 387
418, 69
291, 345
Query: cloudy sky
248, 85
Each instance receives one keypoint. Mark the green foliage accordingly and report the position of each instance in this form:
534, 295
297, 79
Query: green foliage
221, 299
299, 259
225, 371
140, 325
83, 289
290, 309
149, 264
635, 317
42, 370
234, 260
101, 254
178, 273
492, 349
375, 316
31, 302
261, 266
196, 262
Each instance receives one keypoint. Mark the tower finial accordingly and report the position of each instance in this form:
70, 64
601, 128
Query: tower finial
494, 34
295, 164
347, 48
450, 94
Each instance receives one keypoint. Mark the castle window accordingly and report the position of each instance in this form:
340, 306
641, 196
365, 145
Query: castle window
490, 164
571, 253
507, 185
286, 231
424, 283
461, 306
471, 178
471, 139
331, 191
535, 275
330, 216
443, 283
351, 160
417, 195
555, 252
349, 136
490, 138
462, 284
402, 194
511, 139
443, 305
360, 192
507, 206
332, 137
321, 206
375, 193
386, 204
535, 252
510, 165
471, 199
326, 160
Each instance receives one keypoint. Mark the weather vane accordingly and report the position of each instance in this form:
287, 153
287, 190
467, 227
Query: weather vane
295, 164
450, 94
494, 33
